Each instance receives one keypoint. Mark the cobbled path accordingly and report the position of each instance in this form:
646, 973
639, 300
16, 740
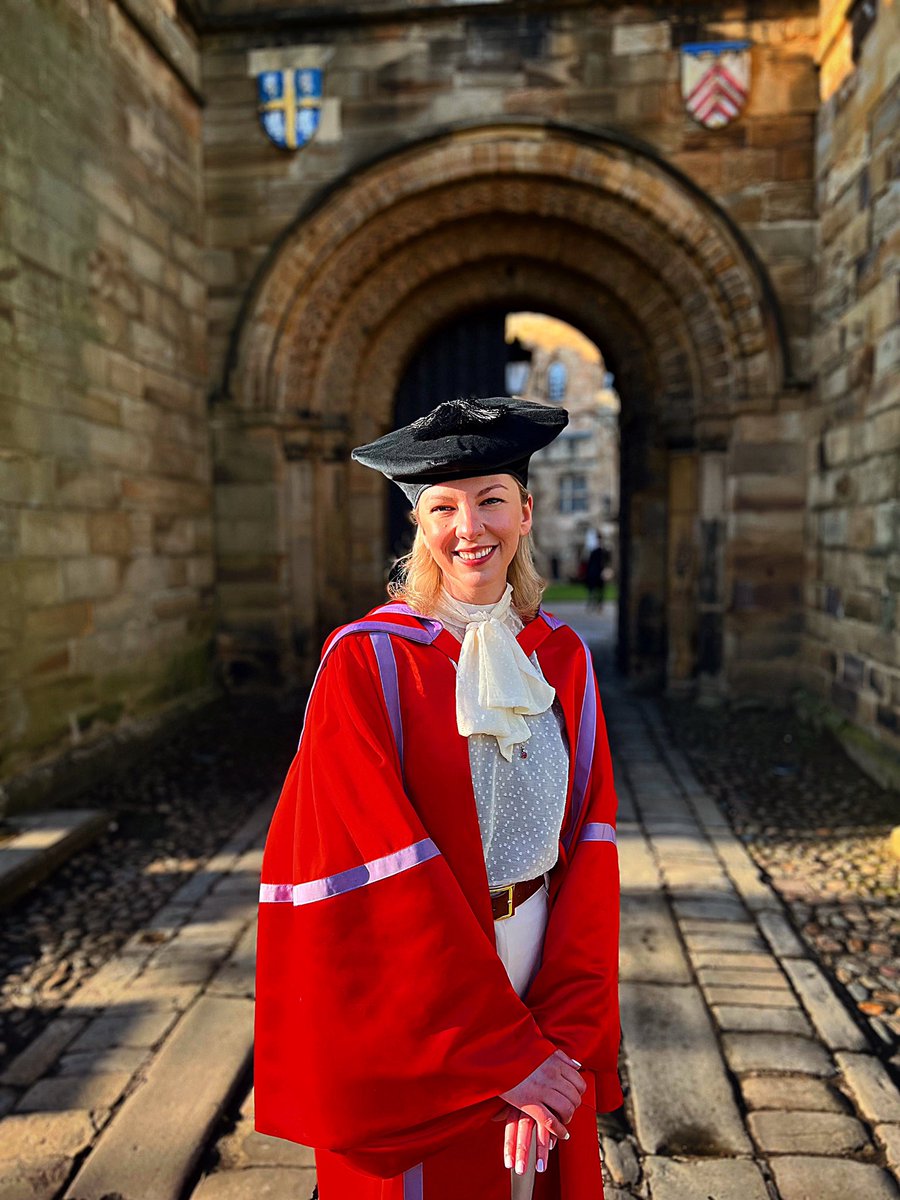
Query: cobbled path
817, 826
746, 1075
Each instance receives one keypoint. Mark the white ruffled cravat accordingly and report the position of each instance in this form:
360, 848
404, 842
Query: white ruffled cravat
496, 684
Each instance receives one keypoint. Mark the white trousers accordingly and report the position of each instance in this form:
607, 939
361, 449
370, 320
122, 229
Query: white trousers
520, 940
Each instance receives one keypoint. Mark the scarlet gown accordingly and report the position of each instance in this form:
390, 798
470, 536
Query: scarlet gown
386, 1026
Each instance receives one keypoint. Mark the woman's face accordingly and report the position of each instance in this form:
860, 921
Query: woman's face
472, 528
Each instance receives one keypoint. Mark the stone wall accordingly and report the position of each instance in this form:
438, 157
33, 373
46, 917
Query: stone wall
852, 650
106, 571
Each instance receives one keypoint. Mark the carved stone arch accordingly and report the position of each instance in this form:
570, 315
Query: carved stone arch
591, 183
590, 227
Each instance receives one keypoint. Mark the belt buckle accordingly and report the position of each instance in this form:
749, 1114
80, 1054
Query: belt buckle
509, 901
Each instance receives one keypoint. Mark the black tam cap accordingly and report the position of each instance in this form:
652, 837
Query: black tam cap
462, 438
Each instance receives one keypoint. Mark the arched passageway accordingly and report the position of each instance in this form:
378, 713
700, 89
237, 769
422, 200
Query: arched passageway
590, 229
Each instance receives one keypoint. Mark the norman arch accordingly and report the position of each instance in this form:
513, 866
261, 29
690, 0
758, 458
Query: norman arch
590, 228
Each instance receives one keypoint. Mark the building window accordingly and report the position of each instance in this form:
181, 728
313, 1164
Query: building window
556, 381
573, 494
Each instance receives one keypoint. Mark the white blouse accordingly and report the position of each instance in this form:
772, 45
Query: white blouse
521, 802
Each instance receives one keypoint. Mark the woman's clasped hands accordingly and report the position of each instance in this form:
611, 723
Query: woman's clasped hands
542, 1104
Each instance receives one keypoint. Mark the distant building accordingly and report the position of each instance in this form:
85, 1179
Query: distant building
575, 480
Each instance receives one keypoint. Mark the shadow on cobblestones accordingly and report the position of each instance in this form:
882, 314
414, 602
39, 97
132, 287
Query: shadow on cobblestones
173, 808
817, 825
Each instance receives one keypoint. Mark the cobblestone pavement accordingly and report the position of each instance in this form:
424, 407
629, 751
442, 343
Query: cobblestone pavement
817, 826
173, 809
746, 1076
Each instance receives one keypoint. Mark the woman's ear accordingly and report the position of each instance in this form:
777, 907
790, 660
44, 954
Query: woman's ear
527, 514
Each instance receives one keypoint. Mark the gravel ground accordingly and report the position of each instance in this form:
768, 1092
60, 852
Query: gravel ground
817, 825
173, 808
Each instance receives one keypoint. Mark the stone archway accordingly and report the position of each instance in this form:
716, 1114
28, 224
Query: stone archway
590, 228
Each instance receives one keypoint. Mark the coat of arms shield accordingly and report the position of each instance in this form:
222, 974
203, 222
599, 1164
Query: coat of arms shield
290, 104
715, 80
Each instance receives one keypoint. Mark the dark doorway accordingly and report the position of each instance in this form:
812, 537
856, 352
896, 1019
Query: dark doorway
465, 358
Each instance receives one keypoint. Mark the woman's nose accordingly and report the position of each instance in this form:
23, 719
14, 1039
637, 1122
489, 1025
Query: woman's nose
469, 523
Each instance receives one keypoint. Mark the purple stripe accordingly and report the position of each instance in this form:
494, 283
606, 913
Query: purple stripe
584, 746
387, 669
423, 636
276, 893
598, 831
348, 881
553, 622
431, 623
412, 1183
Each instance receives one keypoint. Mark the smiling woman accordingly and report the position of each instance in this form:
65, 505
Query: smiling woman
439, 920
492, 531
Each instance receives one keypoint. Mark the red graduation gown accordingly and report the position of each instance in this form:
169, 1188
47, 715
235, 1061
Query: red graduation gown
386, 1027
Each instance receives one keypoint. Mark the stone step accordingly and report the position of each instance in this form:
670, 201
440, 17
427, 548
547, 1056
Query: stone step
41, 843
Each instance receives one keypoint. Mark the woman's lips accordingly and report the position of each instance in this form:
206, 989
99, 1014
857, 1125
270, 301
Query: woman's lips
477, 555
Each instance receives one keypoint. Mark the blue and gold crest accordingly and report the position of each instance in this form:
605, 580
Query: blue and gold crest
290, 105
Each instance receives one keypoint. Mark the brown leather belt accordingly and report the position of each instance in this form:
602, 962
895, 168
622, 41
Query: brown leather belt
505, 901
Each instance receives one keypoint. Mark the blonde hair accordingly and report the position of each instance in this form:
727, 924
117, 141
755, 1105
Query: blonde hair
418, 579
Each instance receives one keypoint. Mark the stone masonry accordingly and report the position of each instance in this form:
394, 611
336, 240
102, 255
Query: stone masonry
197, 326
852, 647
106, 566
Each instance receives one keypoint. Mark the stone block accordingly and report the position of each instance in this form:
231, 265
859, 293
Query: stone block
34, 1137
775, 1052
110, 533
37, 1058
620, 1161
733, 960
89, 578
770, 998
831, 1019
153, 1144
641, 38
728, 977
34, 1181
780, 936
60, 621
722, 1179
683, 1102
724, 945
262, 1183
62, 1093
807, 1133
90, 1062
45, 534
650, 948
793, 1093
742, 1017
871, 1087
888, 1138
807, 1177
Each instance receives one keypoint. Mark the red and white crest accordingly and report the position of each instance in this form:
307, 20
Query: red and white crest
715, 80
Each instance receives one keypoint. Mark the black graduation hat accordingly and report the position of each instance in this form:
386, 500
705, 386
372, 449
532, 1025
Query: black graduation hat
461, 438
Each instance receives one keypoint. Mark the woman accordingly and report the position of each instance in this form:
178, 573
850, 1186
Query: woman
436, 981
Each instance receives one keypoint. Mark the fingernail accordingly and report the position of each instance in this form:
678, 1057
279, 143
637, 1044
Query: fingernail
520, 1167
507, 1162
566, 1135
577, 1063
540, 1164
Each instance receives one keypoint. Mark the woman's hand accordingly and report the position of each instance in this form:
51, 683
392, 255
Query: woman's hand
549, 1096
517, 1139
